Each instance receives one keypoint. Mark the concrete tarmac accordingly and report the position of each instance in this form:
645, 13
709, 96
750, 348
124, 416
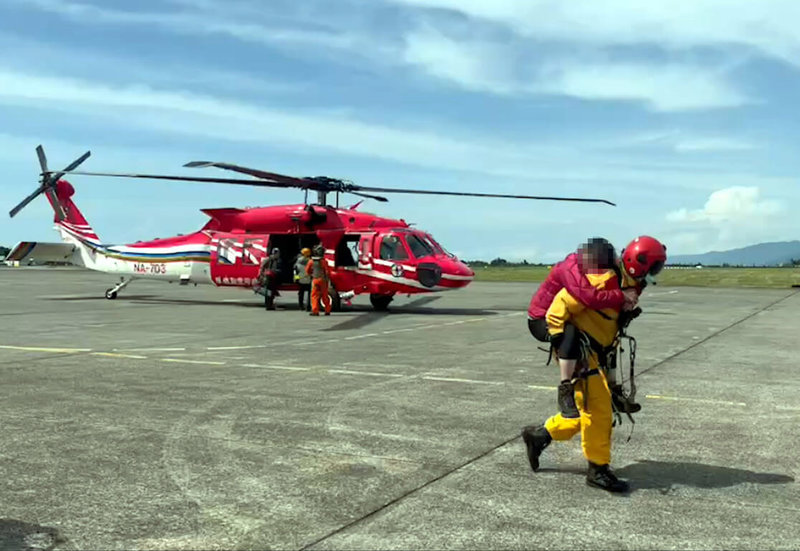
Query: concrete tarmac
191, 418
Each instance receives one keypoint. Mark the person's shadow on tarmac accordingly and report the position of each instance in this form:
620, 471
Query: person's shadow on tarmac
18, 535
663, 476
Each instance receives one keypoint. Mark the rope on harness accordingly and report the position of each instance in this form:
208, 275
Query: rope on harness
582, 367
631, 378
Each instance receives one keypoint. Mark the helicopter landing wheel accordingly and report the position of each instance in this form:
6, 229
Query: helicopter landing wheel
111, 294
380, 302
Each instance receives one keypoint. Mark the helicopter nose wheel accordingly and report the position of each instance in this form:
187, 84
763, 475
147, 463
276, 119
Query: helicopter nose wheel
111, 294
380, 302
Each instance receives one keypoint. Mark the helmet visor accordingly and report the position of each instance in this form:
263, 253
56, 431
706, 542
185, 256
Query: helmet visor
656, 268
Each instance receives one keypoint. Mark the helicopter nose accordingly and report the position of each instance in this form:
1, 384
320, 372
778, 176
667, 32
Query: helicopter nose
456, 273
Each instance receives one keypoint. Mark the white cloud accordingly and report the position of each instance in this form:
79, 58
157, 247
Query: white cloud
498, 68
737, 205
186, 113
475, 65
200, 22
731, 217
662, 87
769, 26
713, 144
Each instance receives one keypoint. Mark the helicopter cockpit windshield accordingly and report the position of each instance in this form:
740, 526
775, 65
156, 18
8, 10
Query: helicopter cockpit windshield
419, 246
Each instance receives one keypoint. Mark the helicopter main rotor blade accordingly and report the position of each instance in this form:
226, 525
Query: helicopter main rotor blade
496, 195
263, 174
369, 196
342, 186
258, 183
321, 183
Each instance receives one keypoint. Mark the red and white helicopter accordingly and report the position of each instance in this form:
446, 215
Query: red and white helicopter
367, 254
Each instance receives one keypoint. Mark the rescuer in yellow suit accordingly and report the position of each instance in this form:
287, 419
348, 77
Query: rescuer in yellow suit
642, 258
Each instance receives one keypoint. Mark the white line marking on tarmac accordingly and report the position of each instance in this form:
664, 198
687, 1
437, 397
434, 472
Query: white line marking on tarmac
179, 360
42, 349
368, 373
354, 337
537, 387
237, 347
456, 380
149, 349
661, 294
700, 400
787, 408
282, 367
115, 355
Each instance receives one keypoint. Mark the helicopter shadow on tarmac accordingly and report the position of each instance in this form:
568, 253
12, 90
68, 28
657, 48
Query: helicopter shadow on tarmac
365, 314
368, 316
665, 476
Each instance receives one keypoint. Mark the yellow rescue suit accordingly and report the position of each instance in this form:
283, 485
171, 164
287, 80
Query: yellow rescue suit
595, 420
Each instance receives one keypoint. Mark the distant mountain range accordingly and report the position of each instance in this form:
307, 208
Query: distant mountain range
763, 254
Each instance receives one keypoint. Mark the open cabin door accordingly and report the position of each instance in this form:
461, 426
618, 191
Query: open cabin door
235, 258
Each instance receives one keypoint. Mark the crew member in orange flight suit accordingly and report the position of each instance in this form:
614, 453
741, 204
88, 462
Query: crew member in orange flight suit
320, 277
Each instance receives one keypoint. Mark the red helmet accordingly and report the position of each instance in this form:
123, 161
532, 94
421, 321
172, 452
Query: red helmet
644, 256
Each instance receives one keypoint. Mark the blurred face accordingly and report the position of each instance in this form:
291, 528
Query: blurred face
597, 254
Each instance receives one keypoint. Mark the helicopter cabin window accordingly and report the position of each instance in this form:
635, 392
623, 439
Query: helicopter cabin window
392, 248
226, 251
252, 252
419, 247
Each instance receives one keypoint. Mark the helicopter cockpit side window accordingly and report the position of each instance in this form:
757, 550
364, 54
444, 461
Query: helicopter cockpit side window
392, 248
419, 247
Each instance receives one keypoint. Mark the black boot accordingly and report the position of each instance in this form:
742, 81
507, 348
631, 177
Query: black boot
566, 401
623, 403
600, 476
536, 439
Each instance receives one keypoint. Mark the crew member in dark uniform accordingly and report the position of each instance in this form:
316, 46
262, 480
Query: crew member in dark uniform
269, 274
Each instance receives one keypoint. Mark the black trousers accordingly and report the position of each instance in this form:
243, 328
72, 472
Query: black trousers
567, 344
305, 288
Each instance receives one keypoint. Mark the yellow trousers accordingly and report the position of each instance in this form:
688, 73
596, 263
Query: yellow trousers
595, 421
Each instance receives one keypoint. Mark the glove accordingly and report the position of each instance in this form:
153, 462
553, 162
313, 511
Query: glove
296, 277
626, 317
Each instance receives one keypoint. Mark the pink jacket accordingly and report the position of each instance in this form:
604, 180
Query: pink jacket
568, 274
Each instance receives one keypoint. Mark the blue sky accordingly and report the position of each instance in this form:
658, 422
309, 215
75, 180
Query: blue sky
684, 113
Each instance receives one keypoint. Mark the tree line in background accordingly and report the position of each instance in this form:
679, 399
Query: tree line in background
503, 263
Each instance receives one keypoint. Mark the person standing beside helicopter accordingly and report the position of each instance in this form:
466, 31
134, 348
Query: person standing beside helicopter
269, 275
320, 277
303, 279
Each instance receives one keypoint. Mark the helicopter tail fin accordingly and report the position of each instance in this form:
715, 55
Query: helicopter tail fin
67, 215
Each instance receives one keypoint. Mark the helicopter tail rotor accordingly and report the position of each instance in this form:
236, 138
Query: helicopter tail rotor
48, 183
